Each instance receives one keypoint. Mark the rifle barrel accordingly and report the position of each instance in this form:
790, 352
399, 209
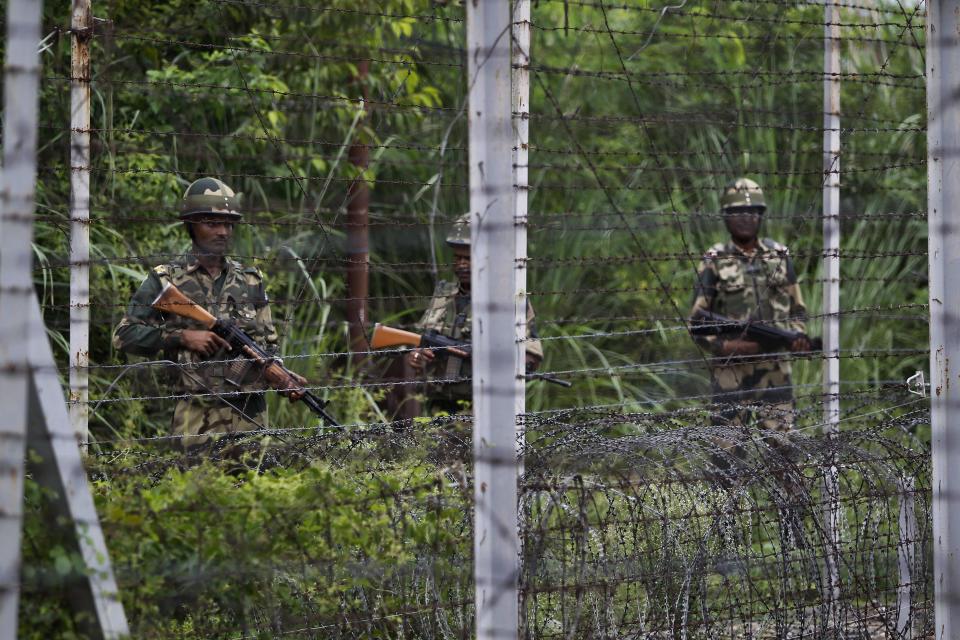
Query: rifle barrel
318, 406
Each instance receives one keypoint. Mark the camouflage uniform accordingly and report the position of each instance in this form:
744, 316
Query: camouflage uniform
227, 395
449, 314
237, 294
761, 285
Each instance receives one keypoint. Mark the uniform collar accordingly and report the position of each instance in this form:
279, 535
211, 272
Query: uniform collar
192, 264
734, 248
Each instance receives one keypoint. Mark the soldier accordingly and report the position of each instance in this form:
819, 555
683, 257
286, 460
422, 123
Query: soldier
223, 395
749, 277
449, 314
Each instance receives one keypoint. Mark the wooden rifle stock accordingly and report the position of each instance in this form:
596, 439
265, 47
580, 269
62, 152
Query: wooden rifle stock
385, 337
173, 301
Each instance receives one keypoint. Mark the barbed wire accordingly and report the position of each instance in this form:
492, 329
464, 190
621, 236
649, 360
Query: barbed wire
647, 486
218, 89
668, 117
775, 3
679, 366
813, 38
535, 293
778, 20
712, 153
289, 54
717, 172
790, 77
254, 138
720, 400
272, 178
280, 213
316, 9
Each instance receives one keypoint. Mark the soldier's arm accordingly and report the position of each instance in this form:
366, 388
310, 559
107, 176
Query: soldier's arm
798, 310
704, 293
141, 331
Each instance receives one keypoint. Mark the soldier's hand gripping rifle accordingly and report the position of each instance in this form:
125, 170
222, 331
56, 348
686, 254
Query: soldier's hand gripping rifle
279, 377
385, 337
707, 323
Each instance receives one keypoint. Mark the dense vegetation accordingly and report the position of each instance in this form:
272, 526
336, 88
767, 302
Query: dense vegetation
636, 124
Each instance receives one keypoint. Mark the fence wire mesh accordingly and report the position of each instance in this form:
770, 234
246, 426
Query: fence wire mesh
653, 502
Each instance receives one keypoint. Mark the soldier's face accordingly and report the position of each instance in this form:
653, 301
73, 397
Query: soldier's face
213, 235
461, 266
743, 223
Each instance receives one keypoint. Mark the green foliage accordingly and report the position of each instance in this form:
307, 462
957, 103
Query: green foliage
202, 553
270, 100
709, 100
270, 105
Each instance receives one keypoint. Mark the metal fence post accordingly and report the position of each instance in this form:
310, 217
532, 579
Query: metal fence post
943, 196
80, 33
520, 90
831, 292
907, 528
21, 102
60, 469
496, 366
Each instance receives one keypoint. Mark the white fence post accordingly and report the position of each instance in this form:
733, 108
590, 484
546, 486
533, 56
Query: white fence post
831, 293
520, 90
497, 368
21, 88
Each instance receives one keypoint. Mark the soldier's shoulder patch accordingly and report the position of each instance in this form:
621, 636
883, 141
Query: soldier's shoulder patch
171, 270
175, 266
715, 251
445, 288
773, 245
253, 277
162, 270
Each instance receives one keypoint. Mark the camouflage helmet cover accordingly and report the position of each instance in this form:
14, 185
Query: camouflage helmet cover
459, 235
210, 196
742, 192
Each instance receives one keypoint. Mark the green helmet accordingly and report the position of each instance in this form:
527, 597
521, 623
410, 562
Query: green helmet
209, 195
742, 192
459, 235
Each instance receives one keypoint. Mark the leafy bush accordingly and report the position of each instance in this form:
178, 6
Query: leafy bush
203, 552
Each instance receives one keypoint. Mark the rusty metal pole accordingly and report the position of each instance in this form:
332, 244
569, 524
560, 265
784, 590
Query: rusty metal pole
358, 232
80, 32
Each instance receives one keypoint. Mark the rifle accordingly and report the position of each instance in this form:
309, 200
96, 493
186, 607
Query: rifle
172, 300
707, 323
385, 337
